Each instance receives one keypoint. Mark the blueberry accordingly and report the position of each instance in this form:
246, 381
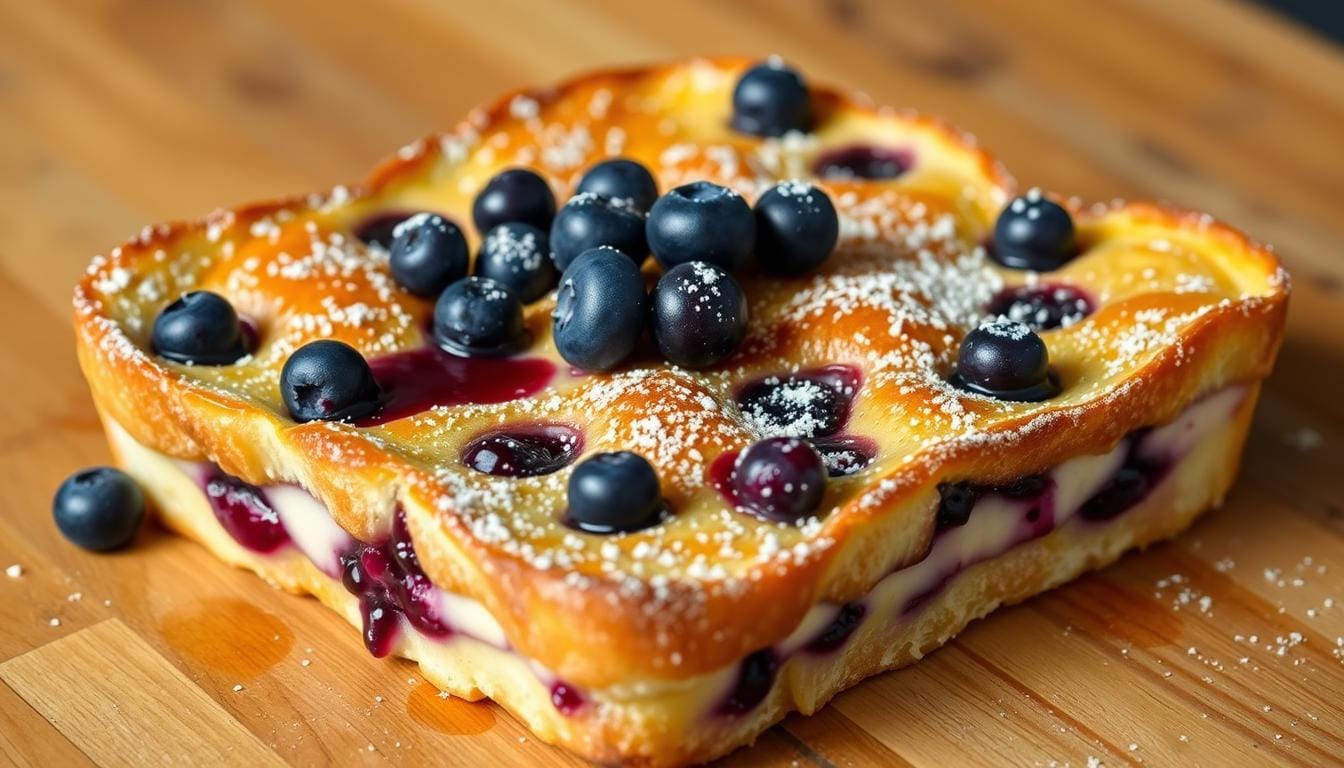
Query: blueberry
479, 317
514, 195
796, 228
599, 310
429, 252
519, 256
955, 502
613, 492
590, 220
99, 509
1033, 233
771, 99
327, 380
782, 478
623, 179
200, 328
1006, 360
699, 314
701, 221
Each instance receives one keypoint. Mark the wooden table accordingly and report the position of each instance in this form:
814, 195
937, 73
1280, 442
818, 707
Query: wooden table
1222, 648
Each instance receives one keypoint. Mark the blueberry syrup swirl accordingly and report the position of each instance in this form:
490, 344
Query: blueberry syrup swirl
524, 450
863, 162
1042, 307
419, 379
245, 512
389, 582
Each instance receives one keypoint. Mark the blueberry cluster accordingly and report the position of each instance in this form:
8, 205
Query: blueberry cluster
700, 234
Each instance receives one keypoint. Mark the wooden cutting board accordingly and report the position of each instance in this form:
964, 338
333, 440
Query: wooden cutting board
1220, 649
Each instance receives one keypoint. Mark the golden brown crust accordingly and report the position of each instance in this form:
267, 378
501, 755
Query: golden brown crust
1203, 309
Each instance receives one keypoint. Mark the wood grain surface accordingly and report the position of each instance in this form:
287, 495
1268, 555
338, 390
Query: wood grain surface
1222, 648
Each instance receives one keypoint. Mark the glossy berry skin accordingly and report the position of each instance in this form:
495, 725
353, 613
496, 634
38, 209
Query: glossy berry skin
771, 99
200, 328
699, 314
517, 194
600, 310
614, 492
781, 478
1033, 233
99, 509
327, 380
796, 228
519, 256
622, 179
1006, 360
590, 220
429, 252
701, 221
479, 317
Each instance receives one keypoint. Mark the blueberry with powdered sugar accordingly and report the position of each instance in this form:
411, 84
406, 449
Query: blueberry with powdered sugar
1034, 233
699, 314
1005, 360
428, 252
519, 256
590, 220
796, 228
623, 179
780, 478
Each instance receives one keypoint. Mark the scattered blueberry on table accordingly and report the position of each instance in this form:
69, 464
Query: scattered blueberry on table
99, 509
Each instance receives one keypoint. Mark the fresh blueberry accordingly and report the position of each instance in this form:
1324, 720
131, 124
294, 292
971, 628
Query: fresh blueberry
796, 228
327, 380
514, 195
1042, 307
701, 221
590, 220
479, 317
1006, 360
99, 509
1033, 233
699, 314
614, 492
519, 256
429, 252
600, 310
782, 478
771, 99
200, 328
622, 179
